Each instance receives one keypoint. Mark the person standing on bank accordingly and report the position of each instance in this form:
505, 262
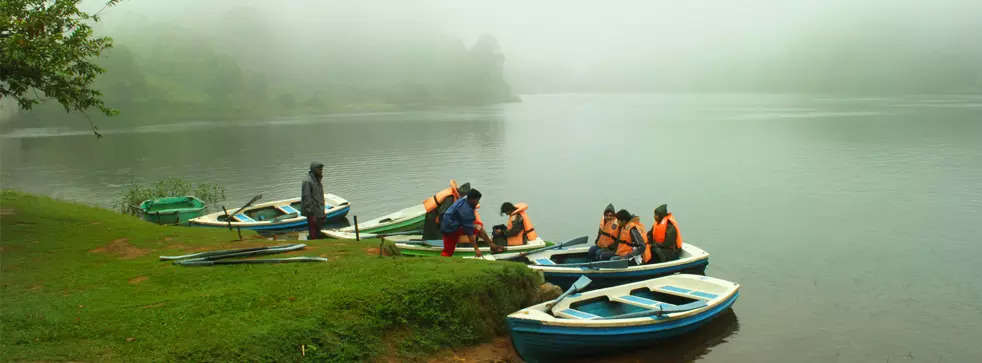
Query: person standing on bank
312, 200
666, 241
458, 221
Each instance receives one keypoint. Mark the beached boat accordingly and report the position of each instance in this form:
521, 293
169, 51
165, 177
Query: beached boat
563, 265
619, 318
413, 245
408, 219
280, 214
171, 210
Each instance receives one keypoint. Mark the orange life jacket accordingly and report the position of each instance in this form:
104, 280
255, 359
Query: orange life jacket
624, 244
528, 232
659, 229
607, 235
432, 202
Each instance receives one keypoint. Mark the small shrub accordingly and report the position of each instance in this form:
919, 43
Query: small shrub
129, 201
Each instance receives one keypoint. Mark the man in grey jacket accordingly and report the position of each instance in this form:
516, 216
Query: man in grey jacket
312, 200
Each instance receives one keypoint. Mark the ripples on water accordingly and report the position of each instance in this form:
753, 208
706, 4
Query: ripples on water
851, 223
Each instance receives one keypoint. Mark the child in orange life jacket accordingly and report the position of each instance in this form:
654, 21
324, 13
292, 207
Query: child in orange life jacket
606, 239
519, 229
631, 242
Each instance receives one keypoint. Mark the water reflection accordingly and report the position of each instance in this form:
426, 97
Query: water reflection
684, 348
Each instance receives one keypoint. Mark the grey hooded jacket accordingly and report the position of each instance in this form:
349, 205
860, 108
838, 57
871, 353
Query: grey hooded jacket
312, 195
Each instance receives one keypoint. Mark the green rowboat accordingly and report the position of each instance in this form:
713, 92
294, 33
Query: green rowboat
412, 245
408, 219
172, 210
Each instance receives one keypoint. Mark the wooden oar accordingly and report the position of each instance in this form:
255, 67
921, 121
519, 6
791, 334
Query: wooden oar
575, 241
661, 311
577, 286
253, 200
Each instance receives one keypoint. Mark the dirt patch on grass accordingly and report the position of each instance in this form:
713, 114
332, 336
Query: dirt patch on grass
121, 248
138, 279
7, 211
498, 349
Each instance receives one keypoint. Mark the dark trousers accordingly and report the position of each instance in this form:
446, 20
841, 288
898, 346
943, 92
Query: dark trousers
596, 253
314, 225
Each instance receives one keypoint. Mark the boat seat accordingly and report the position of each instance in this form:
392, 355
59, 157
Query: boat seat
642, 302
244, 218
704, 295
544, 261
289, 209
576, 314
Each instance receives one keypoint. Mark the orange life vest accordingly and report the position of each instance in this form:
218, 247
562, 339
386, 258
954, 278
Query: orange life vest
432, 202
658, 232
528, 232
624, 244
607, 235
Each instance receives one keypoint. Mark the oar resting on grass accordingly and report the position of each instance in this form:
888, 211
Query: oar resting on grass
242, 252
240, 262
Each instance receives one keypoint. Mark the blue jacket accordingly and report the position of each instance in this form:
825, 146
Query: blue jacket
459, 215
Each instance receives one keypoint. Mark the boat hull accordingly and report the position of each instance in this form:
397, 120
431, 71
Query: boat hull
335, 207
535, 342
619, 318
603, 278
411, 245
172, 210
405, 220
693, 260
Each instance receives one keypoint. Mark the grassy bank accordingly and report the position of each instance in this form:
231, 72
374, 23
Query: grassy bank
83, 283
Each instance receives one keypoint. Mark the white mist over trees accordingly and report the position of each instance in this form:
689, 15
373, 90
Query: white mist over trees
233, 59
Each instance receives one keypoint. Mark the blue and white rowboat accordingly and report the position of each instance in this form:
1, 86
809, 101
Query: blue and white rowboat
619, 318
276, 215
562, 266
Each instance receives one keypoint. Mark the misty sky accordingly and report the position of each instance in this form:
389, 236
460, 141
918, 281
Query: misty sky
579, 44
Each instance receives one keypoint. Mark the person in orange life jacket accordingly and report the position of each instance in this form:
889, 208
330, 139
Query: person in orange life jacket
460, 221
631, 243
519, 229
438, 203
664, 236
604, 244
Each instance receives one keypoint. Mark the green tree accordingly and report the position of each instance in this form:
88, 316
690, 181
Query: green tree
47, 46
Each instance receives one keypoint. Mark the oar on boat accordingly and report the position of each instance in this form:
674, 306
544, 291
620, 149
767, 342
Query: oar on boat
580, 283
253, 200
661, 311
575, 241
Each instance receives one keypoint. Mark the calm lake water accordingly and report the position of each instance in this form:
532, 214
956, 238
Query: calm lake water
853, 224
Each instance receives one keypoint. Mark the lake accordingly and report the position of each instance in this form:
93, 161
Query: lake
853, 224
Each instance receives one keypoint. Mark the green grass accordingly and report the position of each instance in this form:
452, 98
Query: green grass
83, 283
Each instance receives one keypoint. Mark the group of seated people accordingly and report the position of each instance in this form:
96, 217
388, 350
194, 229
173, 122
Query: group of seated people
452, 215
622, 236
